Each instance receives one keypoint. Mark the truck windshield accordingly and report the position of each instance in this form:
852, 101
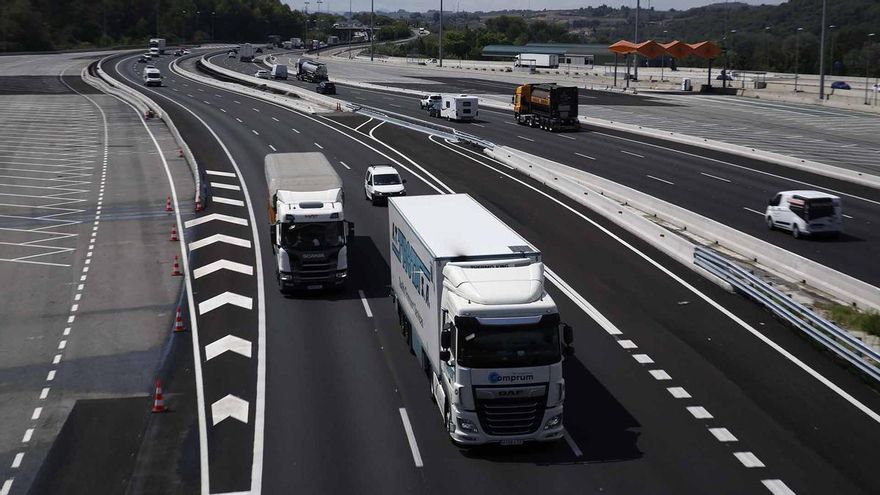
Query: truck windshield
386, 180
312, 236
508, 346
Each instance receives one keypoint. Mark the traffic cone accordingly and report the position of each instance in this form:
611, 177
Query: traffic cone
176, 270
338, 108
199, 206
178, 322
159, 401
174, 233
168, 207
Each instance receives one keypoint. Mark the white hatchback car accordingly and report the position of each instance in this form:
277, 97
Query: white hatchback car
382, 182
262, 74
805, 213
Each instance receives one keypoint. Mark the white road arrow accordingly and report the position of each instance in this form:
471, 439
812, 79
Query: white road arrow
228, 239
229, 406
228, 343
225, 298
223, 265
216, 216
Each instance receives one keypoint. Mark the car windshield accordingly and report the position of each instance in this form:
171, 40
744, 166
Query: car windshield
386, 180
508, 346
312, 236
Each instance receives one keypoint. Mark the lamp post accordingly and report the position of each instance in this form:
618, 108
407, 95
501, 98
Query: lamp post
350, 25
440, 45
831, 54
636, 41
371, 29
766, 48
822, 54
867, 63
198, 18
183, 29
212, 26
663, 60
797, 51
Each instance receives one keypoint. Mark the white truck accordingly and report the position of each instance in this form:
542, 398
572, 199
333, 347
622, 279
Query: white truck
470, 298
246, 52
457, 107
158, 44
296, 42
307, 226
543, 60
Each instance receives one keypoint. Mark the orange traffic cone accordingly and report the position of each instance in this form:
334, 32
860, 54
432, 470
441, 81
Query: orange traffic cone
174, 233
159, 401
178, 323
199, 206
338, 108
168, 207
176, 272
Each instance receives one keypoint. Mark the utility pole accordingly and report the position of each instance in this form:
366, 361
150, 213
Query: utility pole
212, 26
767, 48
350, 25
371, 29
797, 51
441, 33
157, 18
867, 62
822, 54
636, 41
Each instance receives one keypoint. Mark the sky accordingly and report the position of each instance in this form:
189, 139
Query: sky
488, 5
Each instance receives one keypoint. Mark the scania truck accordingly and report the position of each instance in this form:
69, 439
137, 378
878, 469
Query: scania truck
307, 226
471, 303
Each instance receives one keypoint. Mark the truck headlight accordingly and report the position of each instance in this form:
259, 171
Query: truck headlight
341, 274
467, 425
553, 422
286, 276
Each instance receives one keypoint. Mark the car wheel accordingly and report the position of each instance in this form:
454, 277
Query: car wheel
769, 223
796, 232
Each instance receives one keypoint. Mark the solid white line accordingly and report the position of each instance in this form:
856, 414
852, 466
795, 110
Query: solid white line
365, 303
722, 434
585, 156
364, 123
715, 177
319, 146
346, 166
627, 344
219, 173
410, 436
526, 139
571, 444
631, 153
661, 180
748, 459
16, 462
777, 487
699, 412
753, 211
272, 148
227, 201
679, 393
643, 358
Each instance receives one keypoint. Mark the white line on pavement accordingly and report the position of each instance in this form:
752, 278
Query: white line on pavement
294, 130
219, 173
526, 139
585, 156
227, 201
276, 120
255, 132
715, 177
631, 153
777, 487
573, 446
661, 180
753, 211
411, 437
722, 434
365, 303
346, 166
566, 137
699, 412
679, 392
643, 358
319, 146
272, 148
221, 185
748, 459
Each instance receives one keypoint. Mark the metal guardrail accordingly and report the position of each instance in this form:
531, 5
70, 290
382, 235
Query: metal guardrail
421, 125
823, 331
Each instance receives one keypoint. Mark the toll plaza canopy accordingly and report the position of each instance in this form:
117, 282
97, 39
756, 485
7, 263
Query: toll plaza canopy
678, 49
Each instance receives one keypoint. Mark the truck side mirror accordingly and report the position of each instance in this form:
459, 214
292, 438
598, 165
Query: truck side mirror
444, 356
445, 339
350, 229
567, 335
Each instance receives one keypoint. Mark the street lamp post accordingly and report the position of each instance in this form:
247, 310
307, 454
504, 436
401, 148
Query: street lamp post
767, 48
636, 41
183, 29
212, 26
797, 51
440, 45
832, 47
867, 63
663, 60
371, 29
822, 54
350, 25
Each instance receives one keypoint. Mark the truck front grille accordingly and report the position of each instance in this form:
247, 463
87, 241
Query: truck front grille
510, 415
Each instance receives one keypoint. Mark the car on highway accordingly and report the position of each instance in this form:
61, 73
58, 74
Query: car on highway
142, 59
152, 77
382, 182
430, 101
805, 213
231, 54
178, 53
147, 56
262, 74
326, 88
724, 77
185, 51
840, 85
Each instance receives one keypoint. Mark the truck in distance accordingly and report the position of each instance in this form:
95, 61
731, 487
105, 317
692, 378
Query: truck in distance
246, 52
296, 43
470, 299
307, 226
537, 60
158, 44
547, 106
279, 71
310, 71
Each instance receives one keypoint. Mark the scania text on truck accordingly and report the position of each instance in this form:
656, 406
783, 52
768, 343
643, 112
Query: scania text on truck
307, 226
246, 52
471, 302
548, 106
158, 44
310, 71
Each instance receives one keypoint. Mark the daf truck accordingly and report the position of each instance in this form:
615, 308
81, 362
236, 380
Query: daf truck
547, 106
471, 303
307, 226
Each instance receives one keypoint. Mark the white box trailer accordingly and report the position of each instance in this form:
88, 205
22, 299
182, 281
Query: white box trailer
542, 60
471, 302
459, 107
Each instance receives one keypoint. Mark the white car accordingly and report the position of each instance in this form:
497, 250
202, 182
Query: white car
805, 213
186, 51
430, 101
262, 74
382, 182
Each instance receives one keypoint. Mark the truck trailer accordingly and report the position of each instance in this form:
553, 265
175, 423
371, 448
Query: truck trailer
542, 60
159, 44
471, 303
310, 70
454, 107
246, 52
307, 226
548, 106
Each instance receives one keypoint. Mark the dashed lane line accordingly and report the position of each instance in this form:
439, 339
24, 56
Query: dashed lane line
272, 148
715, 177
319, 146
660, 180
748, 459
226, 201
585, 156
631, 153
365, 303
411, 438
346, 166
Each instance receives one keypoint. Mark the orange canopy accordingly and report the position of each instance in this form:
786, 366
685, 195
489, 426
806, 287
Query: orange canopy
706, 49
650, 49
678, 49
623, 47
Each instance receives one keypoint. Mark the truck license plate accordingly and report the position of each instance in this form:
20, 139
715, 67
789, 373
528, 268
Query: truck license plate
511, 442
312, 287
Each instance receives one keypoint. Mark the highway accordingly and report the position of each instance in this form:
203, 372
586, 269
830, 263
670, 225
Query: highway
730, 189
684, 389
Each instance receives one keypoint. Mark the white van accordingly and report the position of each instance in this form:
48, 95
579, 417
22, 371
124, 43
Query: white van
152, 77
805, 213
459, 107
154, 51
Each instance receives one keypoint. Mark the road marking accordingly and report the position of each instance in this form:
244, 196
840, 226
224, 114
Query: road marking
294, 130
255, 109
202, 90
511, 123
585, 306
573, 446
216, 216
679, 393
36, 414
722, 434
715, 177
237, 102
218, 96
223, 110
223, 265
478, 125
16, 462
699, 412
643, 358
846, 216
223, 299
219, 173
346, 166
272, 148
319, 146
748, 459
410, 436
207, 241
627, 344
631, 153
7, 485
221, 185
206, 102
753, 211
585, 156
661, 180
239, 120
44, 393
227, 344
27, 435
526, 139
566, 137
57, 358
276, 120
230, 407
255, 132
777, 487
227, 201
365, 303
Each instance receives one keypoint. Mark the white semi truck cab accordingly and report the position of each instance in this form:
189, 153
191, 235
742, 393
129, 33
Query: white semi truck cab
308, 230
471, 302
